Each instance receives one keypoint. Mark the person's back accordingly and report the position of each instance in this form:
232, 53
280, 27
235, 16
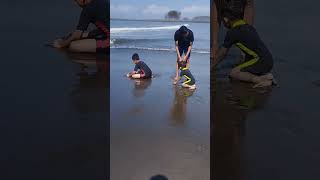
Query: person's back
248, 36
184, 40
144, 68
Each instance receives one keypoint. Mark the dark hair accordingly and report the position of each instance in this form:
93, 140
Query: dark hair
158, 177
135, 56
183, 29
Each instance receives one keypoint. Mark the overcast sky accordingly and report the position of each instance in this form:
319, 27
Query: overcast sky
156, 9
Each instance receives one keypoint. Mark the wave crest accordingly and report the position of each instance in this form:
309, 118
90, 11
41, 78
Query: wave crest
127, 29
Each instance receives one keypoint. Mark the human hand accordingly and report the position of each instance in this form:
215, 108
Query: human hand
176, 79
58, 43
185, 58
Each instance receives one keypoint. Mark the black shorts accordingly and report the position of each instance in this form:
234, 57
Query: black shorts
184, 50
258, 67
102, 41
145, 75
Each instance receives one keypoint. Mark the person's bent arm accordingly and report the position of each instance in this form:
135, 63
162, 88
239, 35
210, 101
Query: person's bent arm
179, 59
177, 51
188, 52
222, 52
177, 71
249, 12
187, 55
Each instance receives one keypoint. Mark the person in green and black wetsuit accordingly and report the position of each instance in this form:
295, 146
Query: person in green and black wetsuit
185, 72
258, 59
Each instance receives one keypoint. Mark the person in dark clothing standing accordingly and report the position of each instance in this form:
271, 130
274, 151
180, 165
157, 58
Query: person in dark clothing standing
183, 38
189, 81
95, 41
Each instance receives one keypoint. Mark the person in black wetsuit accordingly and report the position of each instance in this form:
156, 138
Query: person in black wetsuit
141, 69
95, 41
258, 59
183, 38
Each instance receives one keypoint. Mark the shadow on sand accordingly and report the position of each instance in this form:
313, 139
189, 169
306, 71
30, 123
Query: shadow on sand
90, 89
232, 102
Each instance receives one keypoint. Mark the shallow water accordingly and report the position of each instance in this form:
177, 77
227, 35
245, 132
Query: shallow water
272, 133
156, 36
159, 127
54, 109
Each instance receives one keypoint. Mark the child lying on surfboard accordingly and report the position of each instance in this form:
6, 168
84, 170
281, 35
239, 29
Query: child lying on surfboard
185, 72
258, 60
95, 41
141, 70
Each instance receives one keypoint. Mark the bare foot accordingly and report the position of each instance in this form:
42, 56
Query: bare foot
192, 87
264, 83
268, 76
185, 85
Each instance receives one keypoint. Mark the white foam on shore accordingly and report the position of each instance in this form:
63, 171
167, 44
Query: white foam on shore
198, 51
135, 29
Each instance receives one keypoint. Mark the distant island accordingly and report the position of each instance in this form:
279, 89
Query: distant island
184, 20
173, 16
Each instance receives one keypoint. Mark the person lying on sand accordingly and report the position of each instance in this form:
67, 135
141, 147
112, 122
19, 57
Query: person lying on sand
95, 41
189, 81
183, 38
258, 59
141, 70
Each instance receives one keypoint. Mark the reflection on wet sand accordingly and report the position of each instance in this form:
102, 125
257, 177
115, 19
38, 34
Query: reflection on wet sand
179, 107
231, 104
90, 91
140, 87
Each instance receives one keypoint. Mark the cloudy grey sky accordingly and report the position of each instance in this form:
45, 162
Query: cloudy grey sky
156, 9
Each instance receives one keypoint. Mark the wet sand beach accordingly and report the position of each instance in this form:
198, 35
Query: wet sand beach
54, 105
156, 127
272, 133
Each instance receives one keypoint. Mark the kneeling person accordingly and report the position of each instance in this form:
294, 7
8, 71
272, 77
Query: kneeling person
95, 41
258, 60
189, 81
141, 70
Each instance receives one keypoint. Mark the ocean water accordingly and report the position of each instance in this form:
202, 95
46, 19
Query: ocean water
157, 127
156, 36
54, 105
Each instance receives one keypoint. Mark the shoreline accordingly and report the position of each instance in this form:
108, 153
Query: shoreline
158, 20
